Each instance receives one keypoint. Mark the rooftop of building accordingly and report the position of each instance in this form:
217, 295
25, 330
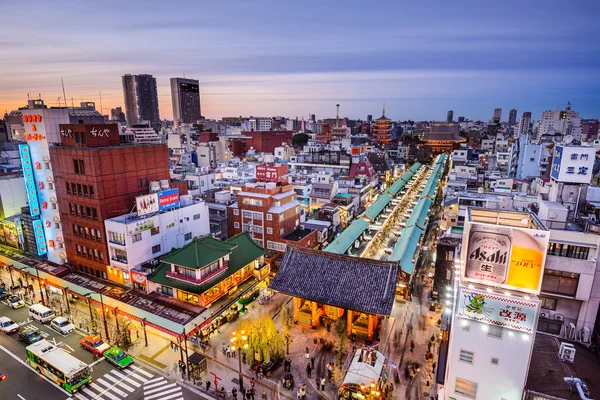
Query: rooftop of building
134, 217
297, 234
546, 371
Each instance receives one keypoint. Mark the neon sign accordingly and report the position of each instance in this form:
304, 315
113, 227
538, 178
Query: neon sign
34, 205
38, 229
99, 133
32, 118
34, 136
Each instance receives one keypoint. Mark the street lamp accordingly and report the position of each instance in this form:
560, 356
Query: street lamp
240, 339
89, 296
40, 285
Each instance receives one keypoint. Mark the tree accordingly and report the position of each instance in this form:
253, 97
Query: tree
264, 340
342, 336
287, 321
300, 139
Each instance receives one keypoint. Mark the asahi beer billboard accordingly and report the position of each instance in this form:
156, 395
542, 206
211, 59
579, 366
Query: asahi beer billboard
504, 256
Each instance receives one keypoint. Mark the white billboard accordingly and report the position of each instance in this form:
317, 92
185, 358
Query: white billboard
147, 204
573, 164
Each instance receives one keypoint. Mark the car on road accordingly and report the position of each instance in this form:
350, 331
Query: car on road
3, 294
62, 325
7, 325
15, 302
118, 358
30, 335
94, 344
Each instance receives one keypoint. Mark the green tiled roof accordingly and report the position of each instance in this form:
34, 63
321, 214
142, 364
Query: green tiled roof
244, 251
200, 253
343, 242
375, 209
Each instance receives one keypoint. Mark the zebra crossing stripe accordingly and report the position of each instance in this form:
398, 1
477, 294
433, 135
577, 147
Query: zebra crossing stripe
118, 383
103, 392
161, 394
89, 393
139, 378
133, 382
141, 371
171, 396
117, 373
155, 384
110, 386
80, 396
160, 378
170, 385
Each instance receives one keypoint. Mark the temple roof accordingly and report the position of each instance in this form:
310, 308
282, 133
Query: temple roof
352, 283
383, 118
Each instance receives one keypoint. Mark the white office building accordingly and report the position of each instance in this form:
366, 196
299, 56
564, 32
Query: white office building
134, 240
560, 122
260, 124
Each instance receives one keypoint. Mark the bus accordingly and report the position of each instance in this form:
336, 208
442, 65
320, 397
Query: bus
59, 366
363, 379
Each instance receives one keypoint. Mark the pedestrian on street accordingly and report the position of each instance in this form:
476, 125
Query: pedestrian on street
299, 393
433, 368
412, 345
252, 383
224, 348
264, 396
308, 370
207, 385
234, 393
228, 351
312, 362
323, 384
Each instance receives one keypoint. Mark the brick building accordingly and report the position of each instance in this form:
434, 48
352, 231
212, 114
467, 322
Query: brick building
96, 178
261, 141
271, 214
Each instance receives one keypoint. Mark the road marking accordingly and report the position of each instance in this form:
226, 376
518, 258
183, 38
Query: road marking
126, 387
111, 386
171, 396
157, 395
103, 392
21, 397
80, 396
139, 378
134, 383
155, 380
149, 375
89, 392
167, 386
29, 366
98, 361
117, 373
70, 348
155, 384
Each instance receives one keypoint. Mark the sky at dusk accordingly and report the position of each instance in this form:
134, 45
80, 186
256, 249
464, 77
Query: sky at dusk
262, 58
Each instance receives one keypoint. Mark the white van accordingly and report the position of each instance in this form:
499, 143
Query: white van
41, 313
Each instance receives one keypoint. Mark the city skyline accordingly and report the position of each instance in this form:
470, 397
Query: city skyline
295, 60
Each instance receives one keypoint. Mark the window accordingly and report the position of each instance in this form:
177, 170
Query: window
79, 191
269, 231
170, 225
117, 238
532, 159
76, 165
276, 246
53, 205
466, 356
236, 211
269, 217
246, 214
196, 216
145, 182
56, 224
189, 297
466, 388
495, 361
98, 236
495, 331
50, 186
68, 187
91, 191
548, 303
95, 213
188, 236
154, 230
47, 165
569, 251
236, 225
560, 282
249, 201
166, 290
281, 231
281, 217
156, 249
137, 237
85, 190
81, 167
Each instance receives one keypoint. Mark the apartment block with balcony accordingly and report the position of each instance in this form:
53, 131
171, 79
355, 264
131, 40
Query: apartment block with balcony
207, 269
133, 240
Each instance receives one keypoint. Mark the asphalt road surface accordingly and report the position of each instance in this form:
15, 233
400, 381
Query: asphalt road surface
108, 383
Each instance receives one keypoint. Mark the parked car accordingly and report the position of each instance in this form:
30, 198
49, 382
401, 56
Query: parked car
3, 293
15, 302
118, 357
30, 335
62, 325
7, 325
94, 344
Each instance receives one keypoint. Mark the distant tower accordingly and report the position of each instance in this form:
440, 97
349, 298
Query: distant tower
369, 118
449, 116
185, 94
141, 99
512, 116
497, 115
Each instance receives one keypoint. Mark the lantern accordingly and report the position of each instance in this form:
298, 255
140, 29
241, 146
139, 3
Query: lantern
41, 185
38, 165
48, 224
44, 205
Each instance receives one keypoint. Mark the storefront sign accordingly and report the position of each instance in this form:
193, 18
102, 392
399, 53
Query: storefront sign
147, 204
493, 309
138, 278
573, 164
141, 226
503, 256
168, 199
66, 132
99, 132
9, 234
40, 239
34, 205
32, 118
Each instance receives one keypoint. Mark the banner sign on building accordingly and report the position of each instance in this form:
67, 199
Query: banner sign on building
40, 239
168, 199
504, 256
30, 187
138, 278
573, 164
141, 226
147, 204
493, 309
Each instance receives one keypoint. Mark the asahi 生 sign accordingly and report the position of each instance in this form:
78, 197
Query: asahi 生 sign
504, 256
493, 309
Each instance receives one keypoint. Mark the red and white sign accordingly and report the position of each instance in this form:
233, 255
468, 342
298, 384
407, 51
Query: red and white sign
272, 173
138, 278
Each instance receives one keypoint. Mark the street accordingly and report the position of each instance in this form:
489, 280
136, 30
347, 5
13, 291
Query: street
135, 382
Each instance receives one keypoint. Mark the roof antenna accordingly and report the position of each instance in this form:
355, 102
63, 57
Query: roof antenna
384, 108
101, 109
337, 116
184, 75
64, 94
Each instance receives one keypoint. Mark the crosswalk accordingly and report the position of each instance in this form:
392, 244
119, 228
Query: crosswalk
118, 385
160, 388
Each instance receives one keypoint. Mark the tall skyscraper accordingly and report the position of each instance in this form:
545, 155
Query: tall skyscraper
512, 116
185, 94
141, 99
497, 115
117, 114
525, 123
449, 116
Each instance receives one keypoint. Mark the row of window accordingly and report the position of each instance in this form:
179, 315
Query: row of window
91, 271
83, 211
85, 232
276, 246
569, 251
78, 189
78, 166
92, 254
560, 282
